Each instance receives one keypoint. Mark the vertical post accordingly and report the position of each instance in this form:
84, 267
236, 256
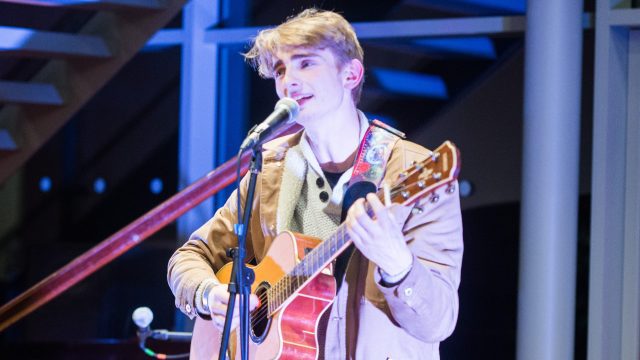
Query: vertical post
548, 234
607, 187
233, 93
197, 111
631, 267
614, 273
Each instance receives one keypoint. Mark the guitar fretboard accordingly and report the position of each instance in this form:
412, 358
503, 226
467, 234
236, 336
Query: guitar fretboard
313, 262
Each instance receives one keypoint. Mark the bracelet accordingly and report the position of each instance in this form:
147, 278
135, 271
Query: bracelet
202, 296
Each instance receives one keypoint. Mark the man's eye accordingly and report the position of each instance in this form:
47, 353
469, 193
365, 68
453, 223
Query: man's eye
305, 64
278, 72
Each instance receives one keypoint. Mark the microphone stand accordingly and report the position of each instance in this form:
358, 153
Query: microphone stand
241, 276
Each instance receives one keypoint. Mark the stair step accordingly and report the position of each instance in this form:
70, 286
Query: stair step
7, 142
94, 4
78, 80
14, 92
16, 41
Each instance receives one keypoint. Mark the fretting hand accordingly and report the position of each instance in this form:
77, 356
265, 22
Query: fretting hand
379, 237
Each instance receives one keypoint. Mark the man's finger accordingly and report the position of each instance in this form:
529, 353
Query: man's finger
254, 302
218, 321
218, 309
375, 203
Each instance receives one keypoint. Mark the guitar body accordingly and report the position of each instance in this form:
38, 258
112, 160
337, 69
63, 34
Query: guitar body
291, 331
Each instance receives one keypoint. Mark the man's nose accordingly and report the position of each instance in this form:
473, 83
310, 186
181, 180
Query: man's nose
291, 83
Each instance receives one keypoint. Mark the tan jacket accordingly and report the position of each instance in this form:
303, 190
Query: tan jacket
367, 321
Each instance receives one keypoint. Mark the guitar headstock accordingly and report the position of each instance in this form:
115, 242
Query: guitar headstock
423, 178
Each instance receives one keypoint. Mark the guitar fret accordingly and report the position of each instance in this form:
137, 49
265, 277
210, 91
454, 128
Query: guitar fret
323, 253
285, 288
335, 243
275, 296
314, 260
278, 301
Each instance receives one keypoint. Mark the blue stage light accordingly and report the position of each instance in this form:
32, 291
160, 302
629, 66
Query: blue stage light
99, 185
45, 184
156, 185
466, 188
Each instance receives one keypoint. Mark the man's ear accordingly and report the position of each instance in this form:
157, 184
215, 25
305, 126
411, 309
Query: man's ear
352, 72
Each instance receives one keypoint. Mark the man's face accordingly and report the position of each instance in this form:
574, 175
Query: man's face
311, 77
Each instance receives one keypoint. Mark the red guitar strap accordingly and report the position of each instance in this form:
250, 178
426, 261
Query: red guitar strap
374, 152
368, 171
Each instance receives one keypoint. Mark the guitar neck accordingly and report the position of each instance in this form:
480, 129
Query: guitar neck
313, 262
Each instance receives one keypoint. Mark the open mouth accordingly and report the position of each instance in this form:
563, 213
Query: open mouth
303, 99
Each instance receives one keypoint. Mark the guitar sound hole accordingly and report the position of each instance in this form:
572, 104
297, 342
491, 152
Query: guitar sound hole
260, 319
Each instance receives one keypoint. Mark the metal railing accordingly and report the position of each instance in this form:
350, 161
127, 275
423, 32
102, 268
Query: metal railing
125, 239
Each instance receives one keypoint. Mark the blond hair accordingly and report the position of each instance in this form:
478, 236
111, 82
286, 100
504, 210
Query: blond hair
312, 28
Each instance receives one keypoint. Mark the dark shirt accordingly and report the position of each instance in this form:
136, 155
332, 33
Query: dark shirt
332, 178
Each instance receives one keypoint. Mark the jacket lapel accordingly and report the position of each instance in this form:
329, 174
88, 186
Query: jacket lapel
294, 173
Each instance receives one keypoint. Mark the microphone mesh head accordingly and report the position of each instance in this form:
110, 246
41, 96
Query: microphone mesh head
291, 106
142, 316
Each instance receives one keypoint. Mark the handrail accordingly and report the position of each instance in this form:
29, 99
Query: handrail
123, 240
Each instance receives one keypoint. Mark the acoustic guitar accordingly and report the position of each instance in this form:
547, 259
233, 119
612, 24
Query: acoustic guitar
293, 284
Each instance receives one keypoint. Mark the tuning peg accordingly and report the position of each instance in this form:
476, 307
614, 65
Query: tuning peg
417, 210
434, 198
450, 189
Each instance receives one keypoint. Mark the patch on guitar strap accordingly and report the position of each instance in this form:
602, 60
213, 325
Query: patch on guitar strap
368, 171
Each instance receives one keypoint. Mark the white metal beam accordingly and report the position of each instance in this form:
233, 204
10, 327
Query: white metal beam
400, 29
166, 37
625, 17
614, 274
198, 93
631, 266
468, 26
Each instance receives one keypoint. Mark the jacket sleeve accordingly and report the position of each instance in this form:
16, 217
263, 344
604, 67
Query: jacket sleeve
425, 302
204, 253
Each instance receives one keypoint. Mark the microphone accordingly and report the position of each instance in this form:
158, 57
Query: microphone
176, 336
142, 317
285, 111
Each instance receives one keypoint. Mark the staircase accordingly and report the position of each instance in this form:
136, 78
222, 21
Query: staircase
72, 66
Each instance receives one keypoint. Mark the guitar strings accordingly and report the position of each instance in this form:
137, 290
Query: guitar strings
262, 312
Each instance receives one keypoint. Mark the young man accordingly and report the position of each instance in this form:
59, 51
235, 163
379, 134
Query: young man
398, 295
